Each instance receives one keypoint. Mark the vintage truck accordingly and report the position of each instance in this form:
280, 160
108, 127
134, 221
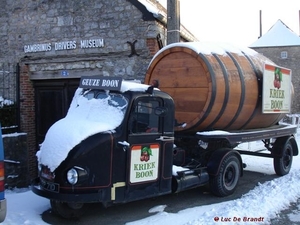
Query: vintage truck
123, 141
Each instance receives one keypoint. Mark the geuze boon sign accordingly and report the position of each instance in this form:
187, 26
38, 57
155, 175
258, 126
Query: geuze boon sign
276, 89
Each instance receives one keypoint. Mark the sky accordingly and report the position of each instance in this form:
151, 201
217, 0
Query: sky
236, 21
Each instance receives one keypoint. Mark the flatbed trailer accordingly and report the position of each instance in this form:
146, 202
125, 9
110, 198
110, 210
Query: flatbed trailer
278, 140
249, 135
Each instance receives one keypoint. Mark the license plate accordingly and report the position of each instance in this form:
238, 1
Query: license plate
49, 186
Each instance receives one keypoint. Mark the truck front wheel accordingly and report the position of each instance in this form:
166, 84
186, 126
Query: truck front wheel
67, 210
225, 182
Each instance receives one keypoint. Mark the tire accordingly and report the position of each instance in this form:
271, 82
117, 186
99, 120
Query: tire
282, 165
225, 182
67, 210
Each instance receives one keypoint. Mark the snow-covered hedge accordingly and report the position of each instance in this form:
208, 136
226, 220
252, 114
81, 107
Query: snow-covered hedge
8, 113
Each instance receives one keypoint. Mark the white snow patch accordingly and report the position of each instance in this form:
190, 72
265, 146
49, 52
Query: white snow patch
159, 208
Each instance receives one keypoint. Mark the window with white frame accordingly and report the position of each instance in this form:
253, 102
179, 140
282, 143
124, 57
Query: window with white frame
284, 55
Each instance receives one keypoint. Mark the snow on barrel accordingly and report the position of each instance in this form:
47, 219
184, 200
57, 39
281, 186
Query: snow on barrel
214, 86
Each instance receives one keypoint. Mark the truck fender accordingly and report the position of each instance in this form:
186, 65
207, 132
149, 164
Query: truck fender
279, 144
216, 158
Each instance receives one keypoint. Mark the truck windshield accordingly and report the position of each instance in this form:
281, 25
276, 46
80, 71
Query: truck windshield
114, 99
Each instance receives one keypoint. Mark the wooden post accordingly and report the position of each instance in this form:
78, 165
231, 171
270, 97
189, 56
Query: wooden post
173, 21
260, 24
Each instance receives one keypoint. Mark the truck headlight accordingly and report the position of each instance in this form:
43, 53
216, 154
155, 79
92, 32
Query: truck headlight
77, 175
72, 176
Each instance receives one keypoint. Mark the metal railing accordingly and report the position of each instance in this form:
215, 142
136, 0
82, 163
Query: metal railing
9, 105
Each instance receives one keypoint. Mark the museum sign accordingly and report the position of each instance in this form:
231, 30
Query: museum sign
64, 45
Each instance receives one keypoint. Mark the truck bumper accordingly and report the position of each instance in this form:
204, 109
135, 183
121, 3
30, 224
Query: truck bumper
3, 209
70, 197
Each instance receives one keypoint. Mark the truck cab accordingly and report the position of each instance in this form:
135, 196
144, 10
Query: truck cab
127, 161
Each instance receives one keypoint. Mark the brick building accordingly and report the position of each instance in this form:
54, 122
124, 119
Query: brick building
53, 43
282, 46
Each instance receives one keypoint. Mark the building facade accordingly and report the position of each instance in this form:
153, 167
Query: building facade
282, 46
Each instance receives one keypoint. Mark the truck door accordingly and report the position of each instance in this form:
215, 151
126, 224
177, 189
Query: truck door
149, 157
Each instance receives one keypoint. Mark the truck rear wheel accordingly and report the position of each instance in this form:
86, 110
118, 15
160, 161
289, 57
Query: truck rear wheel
67, 210
283, 164
225, 182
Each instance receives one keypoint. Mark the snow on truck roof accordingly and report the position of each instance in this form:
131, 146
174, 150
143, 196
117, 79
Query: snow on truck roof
133, 86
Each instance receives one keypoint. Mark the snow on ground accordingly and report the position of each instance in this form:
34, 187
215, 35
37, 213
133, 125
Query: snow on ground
24, 207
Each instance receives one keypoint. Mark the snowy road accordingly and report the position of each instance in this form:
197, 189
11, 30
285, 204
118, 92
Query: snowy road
119, 215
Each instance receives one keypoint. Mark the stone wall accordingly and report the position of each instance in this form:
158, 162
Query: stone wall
60, 27
291, 62
16, 164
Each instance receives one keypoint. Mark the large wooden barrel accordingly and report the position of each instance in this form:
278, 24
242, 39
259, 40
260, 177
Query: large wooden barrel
213, 86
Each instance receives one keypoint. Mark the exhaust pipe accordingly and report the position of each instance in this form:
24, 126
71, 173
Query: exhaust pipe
189, 179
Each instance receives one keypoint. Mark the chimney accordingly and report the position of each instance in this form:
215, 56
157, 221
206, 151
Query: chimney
173, 21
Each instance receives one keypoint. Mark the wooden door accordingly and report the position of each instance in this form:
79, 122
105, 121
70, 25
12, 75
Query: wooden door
52, 101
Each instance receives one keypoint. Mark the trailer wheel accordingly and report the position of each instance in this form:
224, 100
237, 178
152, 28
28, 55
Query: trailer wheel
283, 164
225, 182
67, 210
